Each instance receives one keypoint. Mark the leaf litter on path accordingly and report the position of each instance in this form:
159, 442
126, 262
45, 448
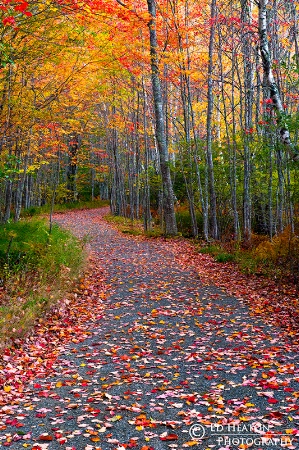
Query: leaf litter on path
143, 352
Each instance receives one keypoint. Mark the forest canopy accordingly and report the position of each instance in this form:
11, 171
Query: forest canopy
161, 106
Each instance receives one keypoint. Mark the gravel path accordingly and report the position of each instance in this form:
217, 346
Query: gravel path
168, 360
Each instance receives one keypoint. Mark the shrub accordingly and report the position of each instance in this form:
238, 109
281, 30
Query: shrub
125, 224
280, 256
264, 251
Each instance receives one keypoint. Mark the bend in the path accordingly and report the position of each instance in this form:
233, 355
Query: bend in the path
168, 353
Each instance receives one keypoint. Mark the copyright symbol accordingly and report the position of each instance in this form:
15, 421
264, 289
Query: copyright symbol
197, 431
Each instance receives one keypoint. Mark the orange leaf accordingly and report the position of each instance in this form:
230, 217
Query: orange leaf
45, 437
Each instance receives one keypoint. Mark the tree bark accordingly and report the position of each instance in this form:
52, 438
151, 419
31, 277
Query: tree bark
210, 164
247, 116
168, 196
274, 91
72, 168
147, 217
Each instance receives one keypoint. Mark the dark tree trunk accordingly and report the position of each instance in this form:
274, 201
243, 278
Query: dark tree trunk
72, 168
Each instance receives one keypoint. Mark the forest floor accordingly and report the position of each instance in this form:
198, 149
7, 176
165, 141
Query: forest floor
159, 347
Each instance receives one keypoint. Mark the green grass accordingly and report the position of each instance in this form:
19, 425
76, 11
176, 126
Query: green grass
247, 263
36, 268
211, 250
224, 257
219, 253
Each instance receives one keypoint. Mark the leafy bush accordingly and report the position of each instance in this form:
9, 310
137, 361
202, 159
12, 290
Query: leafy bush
281, 255
247, 263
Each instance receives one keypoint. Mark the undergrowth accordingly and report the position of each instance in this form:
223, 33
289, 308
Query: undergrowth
36, 267
62, 207
277, 259
184, 222
218, 252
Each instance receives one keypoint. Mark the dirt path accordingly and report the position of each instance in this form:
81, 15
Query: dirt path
163, 361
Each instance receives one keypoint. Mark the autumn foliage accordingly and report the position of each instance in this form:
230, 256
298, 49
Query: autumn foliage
77, 118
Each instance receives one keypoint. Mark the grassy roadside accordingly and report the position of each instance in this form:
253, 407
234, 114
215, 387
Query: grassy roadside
36, 269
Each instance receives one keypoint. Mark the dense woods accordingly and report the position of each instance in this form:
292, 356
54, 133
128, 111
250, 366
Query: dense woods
169, 108
116, 331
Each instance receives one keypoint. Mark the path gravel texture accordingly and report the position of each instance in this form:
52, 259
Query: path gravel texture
166, 363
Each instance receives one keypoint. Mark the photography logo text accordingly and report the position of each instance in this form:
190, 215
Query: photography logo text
254, 434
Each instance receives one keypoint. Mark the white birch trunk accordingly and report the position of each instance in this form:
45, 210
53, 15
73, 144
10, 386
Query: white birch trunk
274, 92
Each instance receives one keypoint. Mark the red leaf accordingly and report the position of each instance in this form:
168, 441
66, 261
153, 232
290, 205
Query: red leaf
272, 400
191, 398
9, 20
276, 414
169, 437
21, 7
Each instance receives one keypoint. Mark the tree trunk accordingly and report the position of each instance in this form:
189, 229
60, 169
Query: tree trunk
72, 168
210, 164
230, 134
247, 115
274, 91
147, 217
168, 196
117, 200
8, 200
